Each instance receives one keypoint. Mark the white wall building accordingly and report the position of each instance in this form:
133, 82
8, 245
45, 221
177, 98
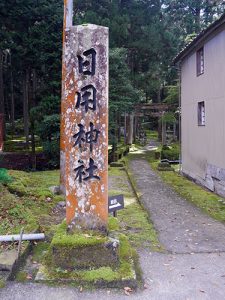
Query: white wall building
202, 65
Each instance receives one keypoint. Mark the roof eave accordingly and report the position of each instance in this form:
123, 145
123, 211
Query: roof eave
199, 39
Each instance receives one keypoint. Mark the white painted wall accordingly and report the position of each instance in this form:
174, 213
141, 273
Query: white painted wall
203, 145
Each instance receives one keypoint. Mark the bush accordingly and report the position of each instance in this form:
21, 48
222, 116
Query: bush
170, 153
4, 176
49, 131
52, 151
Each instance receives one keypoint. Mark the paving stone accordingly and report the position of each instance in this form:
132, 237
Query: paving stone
7, 259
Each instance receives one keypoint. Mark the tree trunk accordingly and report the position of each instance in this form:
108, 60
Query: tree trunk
198, 17
159, 130
118, 128
125, 128
163, 133
130, 130
33, 153
26, 107
34, 88
174, 131
12, 115
135, 129
2, 104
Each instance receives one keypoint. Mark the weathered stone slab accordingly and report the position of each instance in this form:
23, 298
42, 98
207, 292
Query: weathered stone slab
7, 260
55, 189
87, 257
216, 172
220, 187
84, 126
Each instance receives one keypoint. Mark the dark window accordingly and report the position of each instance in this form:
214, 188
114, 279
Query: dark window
201, 113
200, 61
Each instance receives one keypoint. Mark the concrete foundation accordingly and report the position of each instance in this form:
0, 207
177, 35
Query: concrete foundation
214, 179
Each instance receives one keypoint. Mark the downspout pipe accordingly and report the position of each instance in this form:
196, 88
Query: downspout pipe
25, 237
179, 95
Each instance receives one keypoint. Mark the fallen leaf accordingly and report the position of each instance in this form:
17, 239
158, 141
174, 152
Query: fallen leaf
128, 289
126, 293
86, 235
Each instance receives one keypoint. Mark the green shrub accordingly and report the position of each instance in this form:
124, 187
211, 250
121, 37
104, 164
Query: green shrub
170, 153
52, 150
4, 176
49, 131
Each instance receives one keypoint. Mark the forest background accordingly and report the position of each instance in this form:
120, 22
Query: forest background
145, 36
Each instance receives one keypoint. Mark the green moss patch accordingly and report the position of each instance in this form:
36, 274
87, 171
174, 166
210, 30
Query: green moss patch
113, 224
133, 219
26, 199
209, 202
21, 276
2, 283
4, 176
63, 239
140, 231
39, 250
103, 276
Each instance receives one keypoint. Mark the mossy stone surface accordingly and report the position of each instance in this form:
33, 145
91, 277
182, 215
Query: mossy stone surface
82, 250
123, 275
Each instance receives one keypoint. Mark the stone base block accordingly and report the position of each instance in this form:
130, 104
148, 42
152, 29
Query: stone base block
89, 261
82, 251
7, 260
220, 188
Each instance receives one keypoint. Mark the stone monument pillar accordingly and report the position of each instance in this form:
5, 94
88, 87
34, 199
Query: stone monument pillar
1, 132
84, 125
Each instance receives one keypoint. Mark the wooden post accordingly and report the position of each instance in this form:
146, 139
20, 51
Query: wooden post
84, 124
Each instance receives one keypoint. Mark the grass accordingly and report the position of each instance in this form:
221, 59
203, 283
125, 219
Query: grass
151, 134
209, 202
24, 204
2, 283
135, 222
25, 199
21, 276
4, 176
133, 219
18, 144
107, 274
62, 238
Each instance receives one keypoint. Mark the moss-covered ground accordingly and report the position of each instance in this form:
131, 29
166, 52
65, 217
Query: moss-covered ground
18, 144
104, 275
209, 202
133, 219
26, 199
